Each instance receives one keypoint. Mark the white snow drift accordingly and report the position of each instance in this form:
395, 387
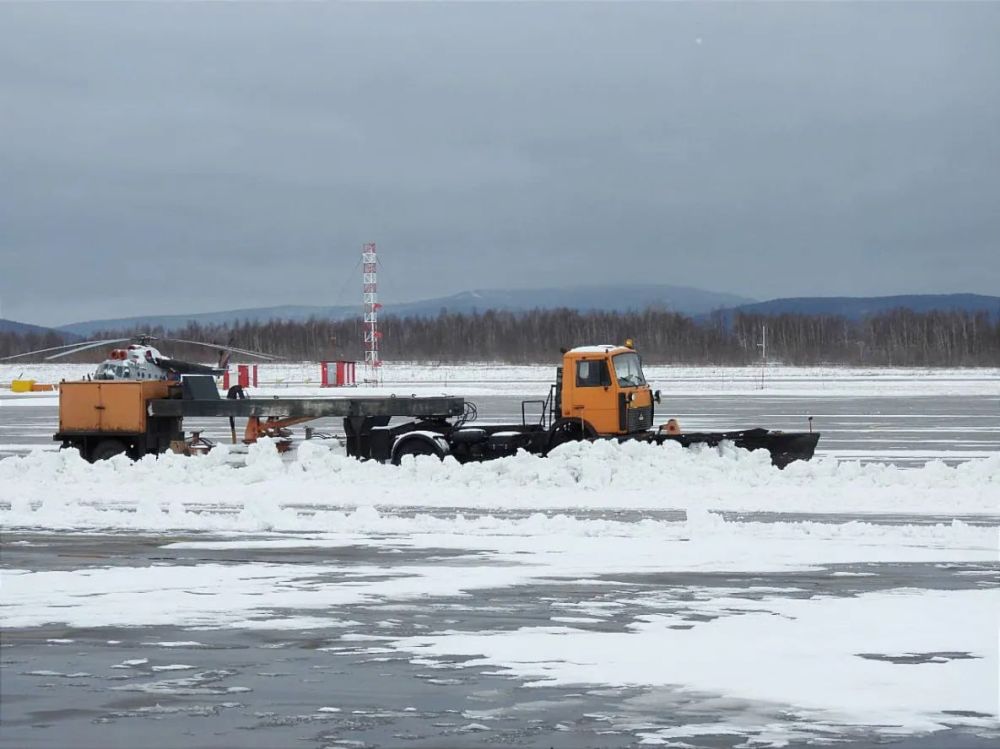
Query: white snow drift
60, 490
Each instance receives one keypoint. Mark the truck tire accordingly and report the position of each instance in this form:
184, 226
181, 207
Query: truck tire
107, 449
415, 446
568, 430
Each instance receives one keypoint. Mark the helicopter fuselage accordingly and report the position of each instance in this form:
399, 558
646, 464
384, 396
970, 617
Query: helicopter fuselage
145, 363
133, 363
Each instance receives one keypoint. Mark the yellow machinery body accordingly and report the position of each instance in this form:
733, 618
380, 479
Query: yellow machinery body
107, 406
597, 390
32, 386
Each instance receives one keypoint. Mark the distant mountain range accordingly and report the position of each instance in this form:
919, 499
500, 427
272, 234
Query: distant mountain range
23, 328
620, 298
858, 308
686, 300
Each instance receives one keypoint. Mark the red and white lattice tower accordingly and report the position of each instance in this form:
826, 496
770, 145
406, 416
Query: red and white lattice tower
369, 275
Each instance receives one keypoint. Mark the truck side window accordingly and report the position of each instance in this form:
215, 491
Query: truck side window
588, 373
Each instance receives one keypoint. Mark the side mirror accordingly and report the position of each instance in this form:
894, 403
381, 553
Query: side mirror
656, 397
605, 376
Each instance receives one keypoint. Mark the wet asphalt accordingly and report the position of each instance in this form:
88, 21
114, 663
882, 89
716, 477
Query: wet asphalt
321, 687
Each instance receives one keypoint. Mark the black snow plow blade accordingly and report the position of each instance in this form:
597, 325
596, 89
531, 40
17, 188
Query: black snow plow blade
785, 447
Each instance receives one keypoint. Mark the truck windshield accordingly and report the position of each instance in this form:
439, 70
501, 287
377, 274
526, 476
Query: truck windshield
628, 369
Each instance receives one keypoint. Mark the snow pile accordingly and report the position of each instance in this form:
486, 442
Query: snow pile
60, 490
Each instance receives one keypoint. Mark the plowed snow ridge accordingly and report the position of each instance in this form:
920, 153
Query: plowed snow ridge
46, 489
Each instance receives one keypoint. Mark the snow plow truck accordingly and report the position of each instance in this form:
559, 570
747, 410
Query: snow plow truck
600, 392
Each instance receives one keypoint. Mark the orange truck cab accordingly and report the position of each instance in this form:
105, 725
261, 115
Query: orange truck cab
604, 387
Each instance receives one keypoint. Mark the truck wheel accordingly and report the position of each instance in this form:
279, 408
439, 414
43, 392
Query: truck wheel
107, 449
414, 446
566, 431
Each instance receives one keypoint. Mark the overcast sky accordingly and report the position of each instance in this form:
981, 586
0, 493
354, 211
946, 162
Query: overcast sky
171, 158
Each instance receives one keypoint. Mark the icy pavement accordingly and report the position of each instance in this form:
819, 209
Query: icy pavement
611, 595
476, 638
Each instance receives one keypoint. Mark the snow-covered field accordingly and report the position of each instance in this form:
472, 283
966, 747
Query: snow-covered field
834, 600
491, 378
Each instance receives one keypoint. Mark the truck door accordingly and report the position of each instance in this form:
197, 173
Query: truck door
593, 396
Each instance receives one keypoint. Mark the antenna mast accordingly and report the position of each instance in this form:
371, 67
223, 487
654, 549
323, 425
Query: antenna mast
369, 279
763, 353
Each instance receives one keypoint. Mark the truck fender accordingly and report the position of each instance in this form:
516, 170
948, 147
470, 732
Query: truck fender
427, 443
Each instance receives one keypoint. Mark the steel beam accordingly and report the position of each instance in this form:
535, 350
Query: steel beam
315, 408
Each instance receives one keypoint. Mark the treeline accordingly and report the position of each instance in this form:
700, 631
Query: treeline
14, 343
897, 338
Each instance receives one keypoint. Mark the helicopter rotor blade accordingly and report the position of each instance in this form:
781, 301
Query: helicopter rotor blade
73, 346
183, 367
91, 345
248, 352
217, 346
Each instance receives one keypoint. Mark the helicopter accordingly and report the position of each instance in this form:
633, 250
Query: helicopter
140, 360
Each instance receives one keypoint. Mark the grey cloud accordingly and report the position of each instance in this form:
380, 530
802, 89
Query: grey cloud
164, 157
